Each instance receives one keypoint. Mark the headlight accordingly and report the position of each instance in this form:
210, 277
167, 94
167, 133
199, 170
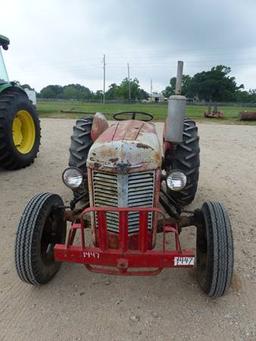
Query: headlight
176, 180
72, 177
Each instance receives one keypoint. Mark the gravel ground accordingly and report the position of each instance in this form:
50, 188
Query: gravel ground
79, 305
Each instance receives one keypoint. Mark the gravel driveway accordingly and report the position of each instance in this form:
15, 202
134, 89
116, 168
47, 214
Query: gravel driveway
79, 305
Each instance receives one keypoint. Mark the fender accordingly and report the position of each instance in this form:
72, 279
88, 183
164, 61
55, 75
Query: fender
12, 86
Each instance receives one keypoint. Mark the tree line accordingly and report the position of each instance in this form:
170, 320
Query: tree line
82, 93
214, 85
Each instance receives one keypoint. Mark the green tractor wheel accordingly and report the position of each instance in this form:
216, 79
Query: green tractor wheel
19, 130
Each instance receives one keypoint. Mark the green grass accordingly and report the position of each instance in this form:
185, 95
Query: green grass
53, 109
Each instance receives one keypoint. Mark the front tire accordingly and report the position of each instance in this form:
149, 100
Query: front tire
19, 130
41, 226
215, 251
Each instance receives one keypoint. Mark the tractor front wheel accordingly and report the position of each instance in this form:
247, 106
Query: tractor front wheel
42, 225
215, 253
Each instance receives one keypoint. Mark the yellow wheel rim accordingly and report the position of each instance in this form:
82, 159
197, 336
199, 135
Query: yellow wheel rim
23, 131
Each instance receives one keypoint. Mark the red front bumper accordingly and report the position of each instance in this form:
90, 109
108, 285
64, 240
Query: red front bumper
120, 260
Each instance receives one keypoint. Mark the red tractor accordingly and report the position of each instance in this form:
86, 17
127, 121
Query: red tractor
127, 191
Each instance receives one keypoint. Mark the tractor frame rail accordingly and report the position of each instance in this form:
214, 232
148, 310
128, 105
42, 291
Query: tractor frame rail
121, 260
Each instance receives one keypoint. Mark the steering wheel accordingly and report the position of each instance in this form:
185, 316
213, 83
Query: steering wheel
118, 115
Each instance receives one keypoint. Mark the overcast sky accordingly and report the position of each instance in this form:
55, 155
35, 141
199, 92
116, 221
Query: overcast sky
62, 42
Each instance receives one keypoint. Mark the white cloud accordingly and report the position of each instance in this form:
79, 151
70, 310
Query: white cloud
61, 42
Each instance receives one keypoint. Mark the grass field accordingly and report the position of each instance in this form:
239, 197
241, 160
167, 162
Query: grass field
53, 109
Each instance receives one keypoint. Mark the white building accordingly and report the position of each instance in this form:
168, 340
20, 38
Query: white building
157, 97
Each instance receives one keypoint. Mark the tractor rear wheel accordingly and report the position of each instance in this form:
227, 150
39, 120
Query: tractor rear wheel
41, 226
215, 252
19, 130
185, 157
81, 142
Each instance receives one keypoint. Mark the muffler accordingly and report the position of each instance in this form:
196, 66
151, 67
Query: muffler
176, 111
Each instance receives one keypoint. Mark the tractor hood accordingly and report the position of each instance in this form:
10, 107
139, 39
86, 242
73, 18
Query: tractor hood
126, 146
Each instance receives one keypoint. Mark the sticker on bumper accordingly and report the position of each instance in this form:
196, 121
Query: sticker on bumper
184, 261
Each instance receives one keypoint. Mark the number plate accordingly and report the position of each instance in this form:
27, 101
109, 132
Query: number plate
91, 254
184, 261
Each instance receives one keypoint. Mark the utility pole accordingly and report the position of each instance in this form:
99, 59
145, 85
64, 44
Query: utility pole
151, 90
104, 78
129, 81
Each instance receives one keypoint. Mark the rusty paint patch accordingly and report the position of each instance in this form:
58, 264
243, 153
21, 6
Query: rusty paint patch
144, 146
114, 160
97, 165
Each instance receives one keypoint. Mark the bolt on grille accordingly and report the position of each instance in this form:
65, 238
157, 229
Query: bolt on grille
124, 190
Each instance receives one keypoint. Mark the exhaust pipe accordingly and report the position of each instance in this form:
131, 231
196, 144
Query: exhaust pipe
176, 111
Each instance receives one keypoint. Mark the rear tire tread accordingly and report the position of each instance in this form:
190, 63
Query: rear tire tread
81, 143
186, 159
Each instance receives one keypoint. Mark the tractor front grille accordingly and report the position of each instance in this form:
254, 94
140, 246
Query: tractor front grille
124, 190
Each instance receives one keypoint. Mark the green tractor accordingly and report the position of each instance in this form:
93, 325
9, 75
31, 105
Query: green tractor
19, 122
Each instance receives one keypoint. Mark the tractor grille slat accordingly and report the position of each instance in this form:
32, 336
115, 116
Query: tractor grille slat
124, 190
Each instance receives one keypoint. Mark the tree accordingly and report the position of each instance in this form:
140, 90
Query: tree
76, 91
143, 94
52, 91
246, 96
124, 88
252, 95
122, 91
98, 95
185, 86
113, 91
70, 91
170, 89
214, 85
